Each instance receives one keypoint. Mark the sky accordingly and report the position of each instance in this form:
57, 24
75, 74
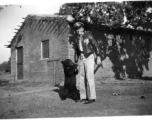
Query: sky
11, 17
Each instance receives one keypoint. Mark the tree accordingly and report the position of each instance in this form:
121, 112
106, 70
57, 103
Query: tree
6, 66
95, 13
2, 7
132, 14
139, 14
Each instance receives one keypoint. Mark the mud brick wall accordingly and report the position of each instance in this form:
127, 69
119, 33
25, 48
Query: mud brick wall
148, 73
24, 43
49, 69
13, 63
71, 52
105, 72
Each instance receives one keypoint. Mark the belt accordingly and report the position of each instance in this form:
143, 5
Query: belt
88, 54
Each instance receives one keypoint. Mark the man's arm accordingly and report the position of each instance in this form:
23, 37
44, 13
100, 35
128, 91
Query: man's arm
94, 44
96, 48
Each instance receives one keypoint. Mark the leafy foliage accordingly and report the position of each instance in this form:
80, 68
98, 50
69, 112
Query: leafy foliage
139, 14
6, 66
133, 14
1, 8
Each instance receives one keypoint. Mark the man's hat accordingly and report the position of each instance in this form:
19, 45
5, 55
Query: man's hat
78, 25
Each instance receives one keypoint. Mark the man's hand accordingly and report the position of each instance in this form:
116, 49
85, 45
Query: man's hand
98, 60
81, 56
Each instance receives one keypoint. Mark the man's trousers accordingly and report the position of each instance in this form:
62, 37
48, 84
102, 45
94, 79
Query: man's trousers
86, 73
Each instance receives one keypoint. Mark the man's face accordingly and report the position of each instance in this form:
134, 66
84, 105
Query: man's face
80, 30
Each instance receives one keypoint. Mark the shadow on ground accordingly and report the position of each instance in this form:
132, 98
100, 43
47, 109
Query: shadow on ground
4, 82
61, 93
146, 78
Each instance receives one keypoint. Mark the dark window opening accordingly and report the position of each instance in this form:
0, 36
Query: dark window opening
146, 48
45, 49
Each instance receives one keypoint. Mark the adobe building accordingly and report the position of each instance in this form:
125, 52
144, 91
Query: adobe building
43, 41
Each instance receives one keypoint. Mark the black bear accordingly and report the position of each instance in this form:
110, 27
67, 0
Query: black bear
70, 71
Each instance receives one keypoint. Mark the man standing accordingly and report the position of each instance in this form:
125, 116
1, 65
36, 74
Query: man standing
87, 47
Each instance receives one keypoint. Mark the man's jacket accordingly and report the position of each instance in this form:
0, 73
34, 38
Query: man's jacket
89, 45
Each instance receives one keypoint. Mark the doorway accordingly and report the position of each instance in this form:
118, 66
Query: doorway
20, 63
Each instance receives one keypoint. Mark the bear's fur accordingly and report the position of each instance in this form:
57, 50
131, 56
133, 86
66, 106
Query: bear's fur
70, 71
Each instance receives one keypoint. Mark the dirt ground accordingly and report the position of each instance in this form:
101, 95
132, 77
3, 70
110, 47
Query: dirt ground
40, 100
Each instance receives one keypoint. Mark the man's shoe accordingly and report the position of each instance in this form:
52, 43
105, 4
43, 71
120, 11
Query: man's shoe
90, 101
83, 100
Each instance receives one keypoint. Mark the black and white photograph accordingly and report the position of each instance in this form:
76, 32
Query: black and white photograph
75, 59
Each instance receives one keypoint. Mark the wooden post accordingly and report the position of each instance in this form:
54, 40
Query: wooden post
54, 68
54, 72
